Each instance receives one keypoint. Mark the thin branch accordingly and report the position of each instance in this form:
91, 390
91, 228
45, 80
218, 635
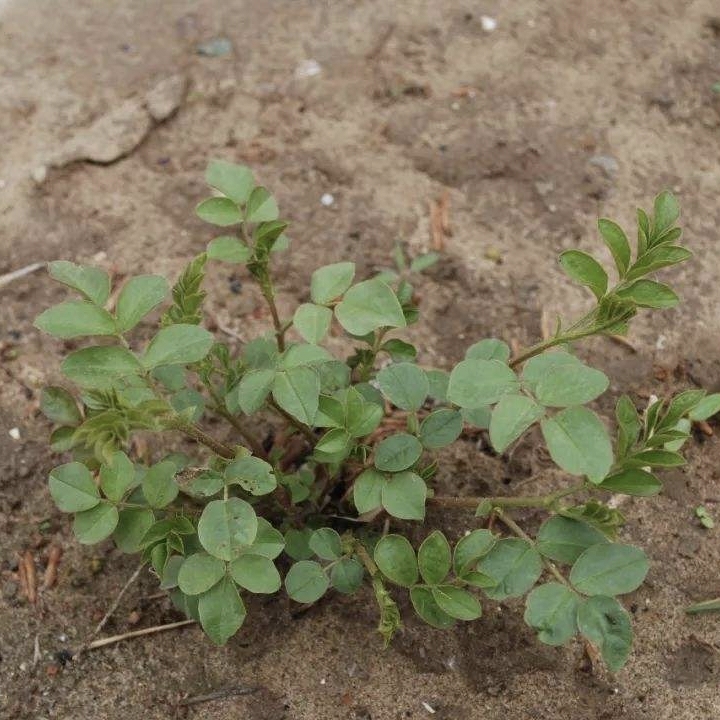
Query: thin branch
563, 338
245, 433
306, 431
529, 501
194, 432
137, 633
219, 695
88, 644
7, 278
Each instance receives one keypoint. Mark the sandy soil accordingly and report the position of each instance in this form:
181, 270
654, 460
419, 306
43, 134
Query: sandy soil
567, 110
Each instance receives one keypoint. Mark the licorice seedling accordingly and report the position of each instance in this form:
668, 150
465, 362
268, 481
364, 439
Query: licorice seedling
321, 451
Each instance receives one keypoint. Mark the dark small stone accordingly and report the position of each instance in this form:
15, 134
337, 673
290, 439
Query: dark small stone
63, 657
235, 286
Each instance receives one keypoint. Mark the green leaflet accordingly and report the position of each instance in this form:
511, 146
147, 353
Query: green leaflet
578, 443
396, 560
474, 383
331, 281
510, 418
604, 622
76, 318
515, 566
434, 558
91, 282
404, 385
551, 609
306, 581
221, 611
609, 569
368, 306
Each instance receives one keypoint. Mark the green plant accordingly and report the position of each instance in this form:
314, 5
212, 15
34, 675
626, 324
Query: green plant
356, 447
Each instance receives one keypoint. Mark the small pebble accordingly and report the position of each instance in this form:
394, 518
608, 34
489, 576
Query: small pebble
14, 433
428, 707
63, 638
488, 23
39, 174
327, 199
308, 68
216, 47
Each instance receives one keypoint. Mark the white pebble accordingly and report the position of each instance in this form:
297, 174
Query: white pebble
39, 174
488, 23
14, 433
308, 68
327, 199
323, 681
428, 707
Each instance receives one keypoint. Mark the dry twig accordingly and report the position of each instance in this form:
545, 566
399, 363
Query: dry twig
50, 575
102, 642
219, 695
7, 278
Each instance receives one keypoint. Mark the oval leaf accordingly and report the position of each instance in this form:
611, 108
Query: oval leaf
440, 428
331, 281
434, 558
471, 548
578, 443
604, 622
199, 573
92, 526
367, 490
514, 564
227, 527
403, 496
367, 306
75, 318
306, 581
297, 391
551, 609
632, 481
312, 322
92, 282
234, 181
404, 385
563, 539
139, 296
255, 573
456, 602
427, 608
72, 488
347, 575
178, 345
221, 611
586, 270
609, 569
510, 418
219, 211
617, 242
397, 452
59, 406
474, 383
395, 558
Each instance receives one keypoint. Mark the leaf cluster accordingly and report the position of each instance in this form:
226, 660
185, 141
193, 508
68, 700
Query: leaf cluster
356, 437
